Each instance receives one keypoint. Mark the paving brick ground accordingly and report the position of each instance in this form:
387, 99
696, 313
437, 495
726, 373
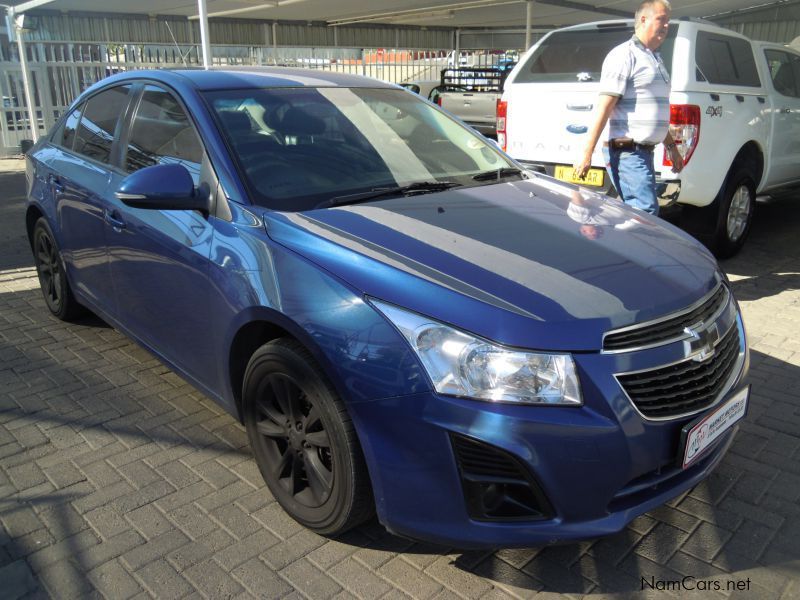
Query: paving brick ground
118, 479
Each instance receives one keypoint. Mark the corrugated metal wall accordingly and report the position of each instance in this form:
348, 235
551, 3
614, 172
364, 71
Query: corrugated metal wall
81, 27
767, 31
771, 23
777, 23
475, 40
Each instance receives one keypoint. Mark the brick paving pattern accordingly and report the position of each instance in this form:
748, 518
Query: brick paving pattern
120, 480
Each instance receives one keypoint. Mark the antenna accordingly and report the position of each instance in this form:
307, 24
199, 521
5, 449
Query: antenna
174, 41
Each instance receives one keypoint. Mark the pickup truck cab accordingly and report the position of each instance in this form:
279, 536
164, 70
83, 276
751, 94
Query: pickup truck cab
735, 113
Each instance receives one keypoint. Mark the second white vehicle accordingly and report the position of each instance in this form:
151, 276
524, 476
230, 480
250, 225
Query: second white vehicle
734, 111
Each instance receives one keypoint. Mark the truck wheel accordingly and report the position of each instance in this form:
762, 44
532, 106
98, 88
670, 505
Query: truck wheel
304, 442
735, 206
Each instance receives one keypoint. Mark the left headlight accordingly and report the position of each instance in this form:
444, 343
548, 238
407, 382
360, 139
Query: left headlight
460, 364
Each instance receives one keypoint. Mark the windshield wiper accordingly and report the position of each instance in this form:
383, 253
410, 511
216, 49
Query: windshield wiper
419, 187
497, 174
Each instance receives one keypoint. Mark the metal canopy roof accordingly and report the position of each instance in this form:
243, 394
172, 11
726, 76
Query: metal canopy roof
440, 13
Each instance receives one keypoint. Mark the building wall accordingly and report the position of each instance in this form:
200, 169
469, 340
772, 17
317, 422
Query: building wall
776, 23
162, 29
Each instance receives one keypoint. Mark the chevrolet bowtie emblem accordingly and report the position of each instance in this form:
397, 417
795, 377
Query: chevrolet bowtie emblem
700, 345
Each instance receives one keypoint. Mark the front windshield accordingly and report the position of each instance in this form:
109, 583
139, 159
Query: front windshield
300, 147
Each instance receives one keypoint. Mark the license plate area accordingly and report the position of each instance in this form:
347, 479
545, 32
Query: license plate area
699, 436
594, 177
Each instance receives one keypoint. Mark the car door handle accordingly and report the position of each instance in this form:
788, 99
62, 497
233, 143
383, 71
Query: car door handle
58, 188
580, 106
113, 220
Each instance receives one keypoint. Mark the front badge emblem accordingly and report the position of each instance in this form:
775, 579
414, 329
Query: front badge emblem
700, 345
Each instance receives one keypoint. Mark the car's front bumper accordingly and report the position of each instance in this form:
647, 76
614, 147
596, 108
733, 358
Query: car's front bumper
584, 468
598, 466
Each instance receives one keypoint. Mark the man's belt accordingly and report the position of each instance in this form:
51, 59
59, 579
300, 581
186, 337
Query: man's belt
628, 144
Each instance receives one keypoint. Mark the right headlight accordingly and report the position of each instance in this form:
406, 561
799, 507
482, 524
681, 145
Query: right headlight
460, 364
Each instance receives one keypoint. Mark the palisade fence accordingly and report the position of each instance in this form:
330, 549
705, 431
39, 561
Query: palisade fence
60, 71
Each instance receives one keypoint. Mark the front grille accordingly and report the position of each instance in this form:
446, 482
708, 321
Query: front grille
497, 487
665, 330
686, 387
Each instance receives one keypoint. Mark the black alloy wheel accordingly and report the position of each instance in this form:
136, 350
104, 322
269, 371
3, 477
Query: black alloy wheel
295, 440
303, 440
52, 278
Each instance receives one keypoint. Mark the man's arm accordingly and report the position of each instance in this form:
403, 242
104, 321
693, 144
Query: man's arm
605, 105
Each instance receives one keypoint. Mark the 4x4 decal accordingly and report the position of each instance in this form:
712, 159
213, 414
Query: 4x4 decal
714, 111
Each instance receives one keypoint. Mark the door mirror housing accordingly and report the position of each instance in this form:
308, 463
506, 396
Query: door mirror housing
162, 187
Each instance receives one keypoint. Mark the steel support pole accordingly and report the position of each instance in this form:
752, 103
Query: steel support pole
33, 125
528, 23
204, 41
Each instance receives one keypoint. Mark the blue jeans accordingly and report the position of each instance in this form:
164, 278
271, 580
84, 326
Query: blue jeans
633, 174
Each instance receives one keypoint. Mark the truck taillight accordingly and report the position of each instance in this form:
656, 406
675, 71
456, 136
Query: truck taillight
502, 108
684, 126
439, 100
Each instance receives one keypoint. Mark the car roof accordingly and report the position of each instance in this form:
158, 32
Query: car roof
228, 78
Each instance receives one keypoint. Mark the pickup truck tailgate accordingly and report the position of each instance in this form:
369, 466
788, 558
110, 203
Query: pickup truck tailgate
475, 108
548, 123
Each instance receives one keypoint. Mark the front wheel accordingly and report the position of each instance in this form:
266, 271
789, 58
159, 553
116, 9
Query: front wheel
304, 441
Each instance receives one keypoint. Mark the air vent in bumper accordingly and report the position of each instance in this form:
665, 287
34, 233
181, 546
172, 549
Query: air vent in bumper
497, 487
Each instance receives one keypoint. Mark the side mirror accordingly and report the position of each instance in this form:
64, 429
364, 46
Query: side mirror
162, 187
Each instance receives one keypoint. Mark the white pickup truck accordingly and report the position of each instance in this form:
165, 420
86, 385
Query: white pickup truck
735, 113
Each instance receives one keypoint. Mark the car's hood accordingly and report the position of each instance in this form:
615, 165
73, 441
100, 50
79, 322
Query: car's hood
529, 258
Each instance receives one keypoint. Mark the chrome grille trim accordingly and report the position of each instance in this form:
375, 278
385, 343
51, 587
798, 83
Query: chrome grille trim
727, 298
736, 371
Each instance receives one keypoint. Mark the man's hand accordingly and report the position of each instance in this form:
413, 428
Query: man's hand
583, 164
676, 158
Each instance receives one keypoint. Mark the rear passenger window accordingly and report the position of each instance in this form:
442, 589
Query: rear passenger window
64, 135
784, 70
95, 132
725, 60
163, 134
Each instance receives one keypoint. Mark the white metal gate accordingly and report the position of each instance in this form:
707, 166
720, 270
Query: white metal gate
60, 71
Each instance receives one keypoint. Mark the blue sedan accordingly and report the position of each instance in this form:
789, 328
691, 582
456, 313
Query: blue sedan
405, 321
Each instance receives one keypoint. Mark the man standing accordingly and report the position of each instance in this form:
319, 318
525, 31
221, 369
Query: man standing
634, 94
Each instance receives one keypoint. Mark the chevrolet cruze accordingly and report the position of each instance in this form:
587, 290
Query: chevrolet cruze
405, 322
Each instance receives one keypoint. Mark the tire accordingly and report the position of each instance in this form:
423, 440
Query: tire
304, 442
52, 276
735, 214
724, 224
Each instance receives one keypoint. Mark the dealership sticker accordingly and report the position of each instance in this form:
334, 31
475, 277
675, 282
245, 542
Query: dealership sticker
713, 425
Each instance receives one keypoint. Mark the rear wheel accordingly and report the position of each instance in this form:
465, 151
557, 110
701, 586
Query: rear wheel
724, 224
304, 441
52, 276
735, 214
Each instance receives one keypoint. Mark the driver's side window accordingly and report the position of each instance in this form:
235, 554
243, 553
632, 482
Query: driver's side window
162, 133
